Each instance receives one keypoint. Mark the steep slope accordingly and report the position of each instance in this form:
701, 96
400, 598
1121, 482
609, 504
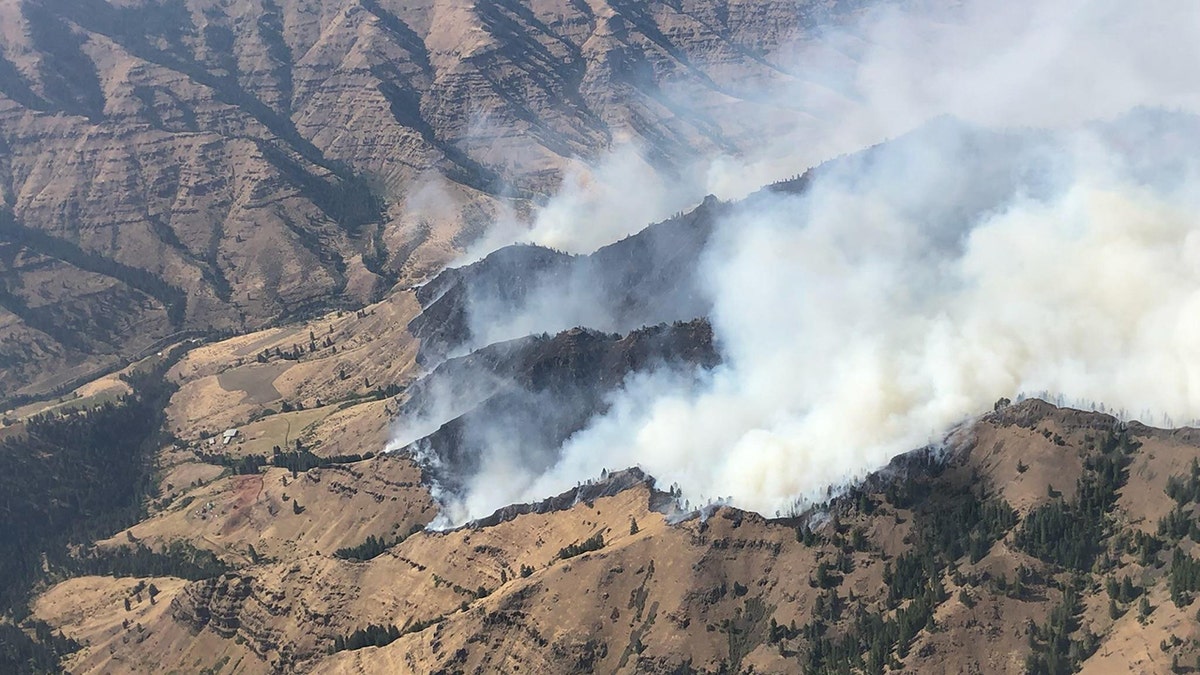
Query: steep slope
650, 277
660, 273
1034, 539
947, 561
269, 158
522, 399
62, 310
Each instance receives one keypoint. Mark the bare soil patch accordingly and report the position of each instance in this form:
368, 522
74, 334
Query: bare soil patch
258, 381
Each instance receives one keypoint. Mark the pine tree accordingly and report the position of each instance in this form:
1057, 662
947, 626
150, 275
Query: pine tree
1128, 592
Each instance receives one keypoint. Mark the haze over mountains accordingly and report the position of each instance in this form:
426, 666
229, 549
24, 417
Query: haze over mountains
194, 165
550, 337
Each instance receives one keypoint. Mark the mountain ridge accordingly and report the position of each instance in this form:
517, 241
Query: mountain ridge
278, 158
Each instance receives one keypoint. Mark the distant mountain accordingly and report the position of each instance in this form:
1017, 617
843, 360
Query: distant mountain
650, 277
184, 165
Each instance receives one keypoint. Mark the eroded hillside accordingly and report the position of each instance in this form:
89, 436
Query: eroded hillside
200, 166
1038, 533
254, 425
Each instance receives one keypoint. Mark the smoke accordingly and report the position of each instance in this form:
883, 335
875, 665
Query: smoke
598, 195
855, 326
911, 286
844, 87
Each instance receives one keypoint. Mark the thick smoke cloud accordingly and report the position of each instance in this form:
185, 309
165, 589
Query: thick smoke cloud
842, 88
910, 287
858, 324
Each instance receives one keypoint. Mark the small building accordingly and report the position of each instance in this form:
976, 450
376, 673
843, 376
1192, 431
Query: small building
228, 436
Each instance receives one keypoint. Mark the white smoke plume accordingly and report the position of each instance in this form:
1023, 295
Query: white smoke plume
853, 330
597, 193
903, 294
1056, 63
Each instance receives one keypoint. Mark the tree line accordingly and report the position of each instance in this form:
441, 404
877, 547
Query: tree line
373, 546
70, 479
